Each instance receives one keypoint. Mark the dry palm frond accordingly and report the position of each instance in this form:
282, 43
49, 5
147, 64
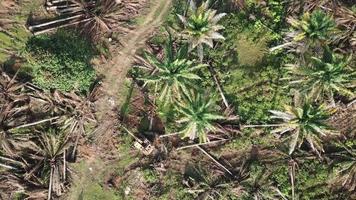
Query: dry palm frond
39, 164
93, 18
344, 120
101, 14
76, 113
345, 169
204, 185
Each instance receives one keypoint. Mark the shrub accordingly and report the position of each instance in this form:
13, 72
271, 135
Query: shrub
60, 61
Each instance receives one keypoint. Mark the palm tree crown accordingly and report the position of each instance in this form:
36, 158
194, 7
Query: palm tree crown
304, 123
324, 77
201, 27
315, 27
174, 75
197, 117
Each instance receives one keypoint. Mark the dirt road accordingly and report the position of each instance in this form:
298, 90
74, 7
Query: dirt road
94, 167
116, 70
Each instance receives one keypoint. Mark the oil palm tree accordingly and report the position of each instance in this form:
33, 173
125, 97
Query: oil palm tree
310, 33
174, 75
314, 27
197, 117
304, 123
324, 77
201, 26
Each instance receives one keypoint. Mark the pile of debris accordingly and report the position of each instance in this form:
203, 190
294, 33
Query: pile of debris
95, 18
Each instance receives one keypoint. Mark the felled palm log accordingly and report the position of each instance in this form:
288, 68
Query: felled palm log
94, 18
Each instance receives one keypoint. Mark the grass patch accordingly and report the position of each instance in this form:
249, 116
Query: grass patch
18, 35
96, 192
60, 61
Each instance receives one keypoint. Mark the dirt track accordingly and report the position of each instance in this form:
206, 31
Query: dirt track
116, 70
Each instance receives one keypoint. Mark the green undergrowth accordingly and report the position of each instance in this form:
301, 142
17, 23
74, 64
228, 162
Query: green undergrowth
96, 192
16, 35
310, 181
127, 92
249, 73
172, 188
90, 183
60, 61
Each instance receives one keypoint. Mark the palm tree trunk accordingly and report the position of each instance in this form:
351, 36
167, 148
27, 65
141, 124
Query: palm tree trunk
50, 184
34, 123
351, 103
332, 100
54, 22
260, 126
280, 46
187, 8
64, 165
168, 135
76, 141
216, 161
60, 26
7, 166
218, 85
201, 144
292, 177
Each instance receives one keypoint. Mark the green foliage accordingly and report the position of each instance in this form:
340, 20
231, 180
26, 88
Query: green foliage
250, 52
150, 176
324, 77
310, 181
14, 35
60, 61
258, 184
201, 26
254, 98
175, 73
19, 196
96, 192
205, 185
172, 188
250, 76
197, 117
316, 26
272, 13
305, 123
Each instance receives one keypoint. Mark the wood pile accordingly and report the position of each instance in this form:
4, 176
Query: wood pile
69, 12
94, 18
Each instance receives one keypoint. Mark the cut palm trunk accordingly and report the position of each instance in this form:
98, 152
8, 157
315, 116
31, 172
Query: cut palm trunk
218, 85
260, 126
202, 144
70, 12
49, 29
215, 160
